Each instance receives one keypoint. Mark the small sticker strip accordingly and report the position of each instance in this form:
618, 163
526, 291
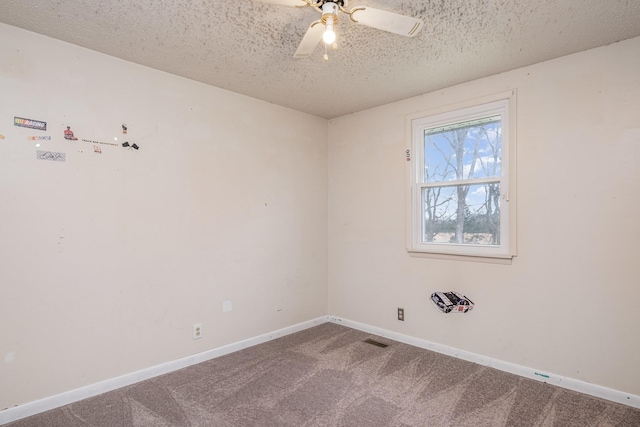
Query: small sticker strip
29, 123
97, 149
100, 142
39, 138
51, 155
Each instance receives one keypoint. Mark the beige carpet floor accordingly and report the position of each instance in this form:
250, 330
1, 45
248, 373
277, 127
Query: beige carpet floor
328, 376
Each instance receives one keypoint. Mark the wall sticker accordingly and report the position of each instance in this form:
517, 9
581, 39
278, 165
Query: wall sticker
97, 149
124, 129
134, 145
50, 155
99, 142
68, 134
29, 123
1, 136
39, 138
447, 302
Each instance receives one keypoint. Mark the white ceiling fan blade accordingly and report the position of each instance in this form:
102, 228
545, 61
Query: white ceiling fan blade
387, 21
310, 40
292, 3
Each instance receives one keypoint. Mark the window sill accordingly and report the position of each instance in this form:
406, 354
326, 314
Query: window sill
492, 259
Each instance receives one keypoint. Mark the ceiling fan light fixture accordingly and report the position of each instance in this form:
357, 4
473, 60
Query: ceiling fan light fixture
329, 19
329, 36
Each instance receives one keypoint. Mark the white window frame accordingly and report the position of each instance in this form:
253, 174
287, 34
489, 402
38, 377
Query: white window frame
503, 104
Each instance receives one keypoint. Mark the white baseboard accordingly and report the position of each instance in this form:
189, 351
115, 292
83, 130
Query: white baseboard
512, 368
56, 401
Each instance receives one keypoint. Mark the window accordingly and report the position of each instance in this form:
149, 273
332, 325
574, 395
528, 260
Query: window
462, 176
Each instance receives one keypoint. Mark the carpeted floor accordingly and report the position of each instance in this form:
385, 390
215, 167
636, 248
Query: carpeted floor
327, 376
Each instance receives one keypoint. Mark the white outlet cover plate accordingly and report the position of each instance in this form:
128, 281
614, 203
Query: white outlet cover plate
197, 331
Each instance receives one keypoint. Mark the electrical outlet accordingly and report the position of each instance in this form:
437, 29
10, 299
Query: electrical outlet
197, 331
401, 314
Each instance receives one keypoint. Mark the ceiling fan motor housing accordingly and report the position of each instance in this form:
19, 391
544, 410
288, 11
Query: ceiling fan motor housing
330, 9
341, 3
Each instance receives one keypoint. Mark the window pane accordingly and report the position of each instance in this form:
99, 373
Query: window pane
470, 149
462, 214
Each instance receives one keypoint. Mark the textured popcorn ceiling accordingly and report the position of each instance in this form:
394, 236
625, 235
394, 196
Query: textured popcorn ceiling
248, 47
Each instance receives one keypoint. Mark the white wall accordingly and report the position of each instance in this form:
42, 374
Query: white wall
568, 303
107, 260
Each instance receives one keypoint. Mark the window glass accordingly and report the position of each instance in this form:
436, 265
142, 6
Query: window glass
462, 214
469, 150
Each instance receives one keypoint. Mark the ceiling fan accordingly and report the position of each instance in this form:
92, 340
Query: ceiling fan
323, 28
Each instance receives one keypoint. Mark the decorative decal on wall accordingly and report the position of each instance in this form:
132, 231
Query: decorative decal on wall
134, 145
408, 153
29, 123
447, 302
100, 142
124, 129
1, 136
51, 155
39, 138
68, 134
97, 149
